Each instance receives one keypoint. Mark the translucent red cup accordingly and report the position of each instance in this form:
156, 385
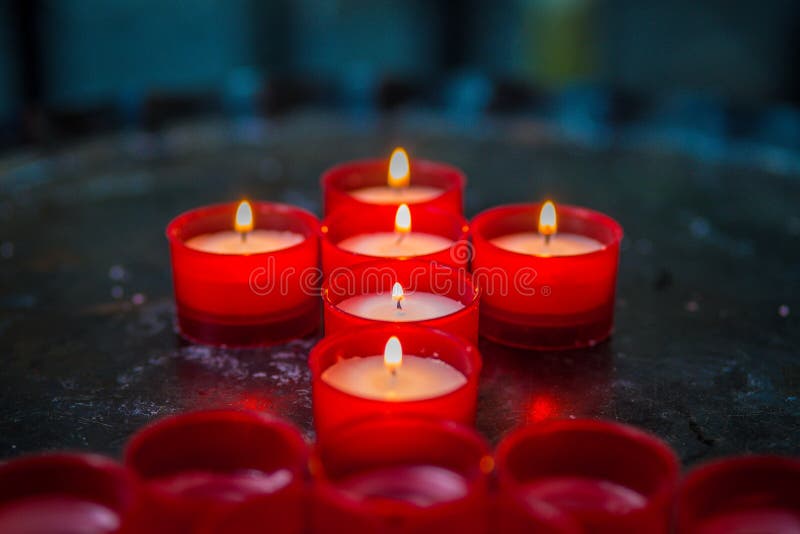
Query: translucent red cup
338, 182
65, 492
401, 474
199, 466
535, 302
245, 299
741, 494
333, 407
607, 477
345, 224
379, 277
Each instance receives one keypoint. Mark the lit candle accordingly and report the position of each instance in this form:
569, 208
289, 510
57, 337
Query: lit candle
398, 188
420, 306
244, 239
546, 242
226, 262
381, 377
356, 374
398, 244
374, 292
556, 290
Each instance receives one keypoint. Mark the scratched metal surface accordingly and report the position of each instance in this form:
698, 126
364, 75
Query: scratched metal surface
706, 348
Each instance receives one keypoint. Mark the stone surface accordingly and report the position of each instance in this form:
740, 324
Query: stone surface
705, 352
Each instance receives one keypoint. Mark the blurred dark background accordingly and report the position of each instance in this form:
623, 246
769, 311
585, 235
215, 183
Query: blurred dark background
74, 67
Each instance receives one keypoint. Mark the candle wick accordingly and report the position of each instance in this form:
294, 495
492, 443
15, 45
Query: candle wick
399, 306
244, 237
547, 239
400, 236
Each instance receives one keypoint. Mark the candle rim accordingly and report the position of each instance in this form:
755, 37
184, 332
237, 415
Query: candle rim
175, 226
468, 353
490, 215
657, 447
333, 176
291, 440
328, 301
394, 265
473, 474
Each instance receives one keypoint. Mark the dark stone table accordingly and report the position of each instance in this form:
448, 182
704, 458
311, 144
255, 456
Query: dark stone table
705, 352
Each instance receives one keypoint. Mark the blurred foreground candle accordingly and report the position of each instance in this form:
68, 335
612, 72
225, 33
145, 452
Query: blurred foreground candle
606, 477
389, 232
393, 369
401, 474
199, 466
390, 291
551, 289
741, 495
360, 185
245, 274
67, 493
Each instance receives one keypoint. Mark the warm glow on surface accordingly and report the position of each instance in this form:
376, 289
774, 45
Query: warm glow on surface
547, 219
397, 292
402, 221
399, 173
244, 217
393, 354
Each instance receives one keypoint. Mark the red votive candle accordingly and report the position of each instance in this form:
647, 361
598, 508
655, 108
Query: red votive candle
401, 475
741, 495
428, 234
608, 477
383, 292
537, 301
357, 186
360, 373
197, 467
81, 493
257, 290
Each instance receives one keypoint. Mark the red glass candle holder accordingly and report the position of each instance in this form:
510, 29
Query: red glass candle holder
338, 183
379, 277
345, 224
332, 407
743, 494
245, 299
199, 466
535, 302
67, 493
608, 477
401, 475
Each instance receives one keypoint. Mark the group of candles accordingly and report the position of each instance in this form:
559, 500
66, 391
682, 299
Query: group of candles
406, 282
244, 472
406, 286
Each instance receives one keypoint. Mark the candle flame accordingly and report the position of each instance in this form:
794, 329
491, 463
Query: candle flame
547, 219
402, 221
397, 292
393, 354
244, 217
399, 174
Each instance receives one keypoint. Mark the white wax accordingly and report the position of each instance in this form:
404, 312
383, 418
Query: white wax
386, 245
417, 378
418, 306
257, 241
560, 244
387, 196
